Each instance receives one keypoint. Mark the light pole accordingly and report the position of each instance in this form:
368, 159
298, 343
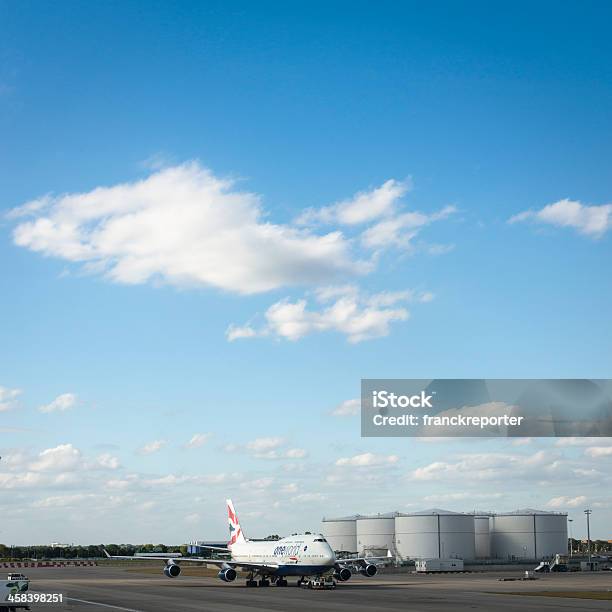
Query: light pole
570, 521
588, 513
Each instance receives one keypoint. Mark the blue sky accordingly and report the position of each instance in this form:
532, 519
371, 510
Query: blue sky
450, 165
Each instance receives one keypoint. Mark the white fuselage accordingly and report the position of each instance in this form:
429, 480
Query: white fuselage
303, 554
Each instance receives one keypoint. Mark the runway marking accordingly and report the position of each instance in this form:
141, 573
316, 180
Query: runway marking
103, 605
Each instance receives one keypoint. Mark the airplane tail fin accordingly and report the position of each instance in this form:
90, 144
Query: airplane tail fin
236, 535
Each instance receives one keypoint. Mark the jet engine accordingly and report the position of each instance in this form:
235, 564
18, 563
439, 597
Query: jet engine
342, 574
227, 574
172, 570
368, 570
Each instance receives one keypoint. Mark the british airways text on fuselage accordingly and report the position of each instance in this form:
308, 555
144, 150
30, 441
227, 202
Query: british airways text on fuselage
287, 550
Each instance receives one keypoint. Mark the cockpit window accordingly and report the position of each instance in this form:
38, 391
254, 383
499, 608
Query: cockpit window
320, 540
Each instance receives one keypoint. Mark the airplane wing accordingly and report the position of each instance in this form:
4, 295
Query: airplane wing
365, 560
250, 566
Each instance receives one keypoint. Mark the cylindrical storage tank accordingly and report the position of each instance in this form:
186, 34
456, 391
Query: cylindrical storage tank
528, 534
341, 533
482, 537
435, 534
551, 534
375, 534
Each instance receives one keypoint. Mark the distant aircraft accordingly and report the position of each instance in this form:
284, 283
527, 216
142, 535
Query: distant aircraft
306, 556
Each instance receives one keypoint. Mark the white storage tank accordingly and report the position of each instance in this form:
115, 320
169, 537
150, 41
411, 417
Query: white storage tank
528, 534
341, 533
482, 537
376, 533
435, 534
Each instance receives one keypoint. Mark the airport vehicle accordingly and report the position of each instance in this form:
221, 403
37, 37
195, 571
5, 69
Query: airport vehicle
429, 566
558, 564
305, 556
318, 582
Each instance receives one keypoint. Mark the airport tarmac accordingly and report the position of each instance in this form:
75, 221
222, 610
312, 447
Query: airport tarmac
91, 589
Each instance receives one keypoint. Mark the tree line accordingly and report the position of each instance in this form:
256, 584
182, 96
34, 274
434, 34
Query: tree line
93, 551
580, 547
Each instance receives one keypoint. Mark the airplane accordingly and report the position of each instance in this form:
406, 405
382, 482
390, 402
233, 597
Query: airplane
305, 556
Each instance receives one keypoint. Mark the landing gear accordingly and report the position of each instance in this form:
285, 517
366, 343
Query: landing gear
262, 582
281, 582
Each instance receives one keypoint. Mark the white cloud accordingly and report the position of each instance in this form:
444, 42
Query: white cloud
14, 458
295, 453
198, 440
367, 460
170, 480
235, 332
152, 447
259, 483
362, 207
388, 298
25, 480
347, 408
599, 451
392, 227
108, 461
62, 458
593, 221
167, 481
7, 398
586, 441
567, 502
292, 320
342, 309
308, 498
398, 231
522, 441
262, 445
61, 403
66, 501
489, 466
182, 226
587, 473
62, 466
267, 448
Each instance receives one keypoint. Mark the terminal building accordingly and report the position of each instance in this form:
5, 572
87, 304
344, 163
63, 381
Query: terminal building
523, 535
